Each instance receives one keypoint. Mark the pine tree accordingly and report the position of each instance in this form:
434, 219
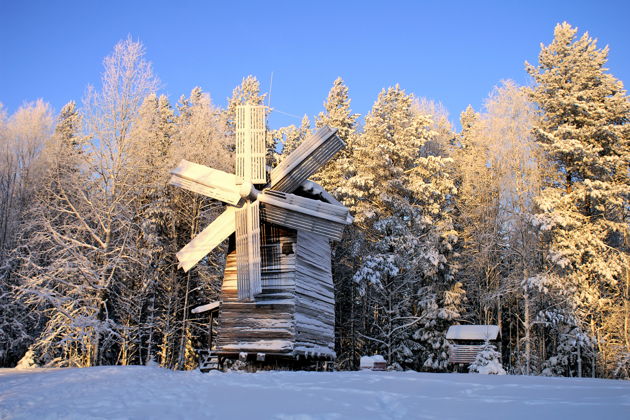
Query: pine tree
247, 93
337, 114
400, 201
334, 178
290, 137
150, 157
585, 131
467, 120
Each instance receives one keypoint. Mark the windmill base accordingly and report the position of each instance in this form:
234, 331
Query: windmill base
253, 362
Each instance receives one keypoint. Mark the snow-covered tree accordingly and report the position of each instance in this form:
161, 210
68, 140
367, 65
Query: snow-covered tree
23, 164
247, 93
201, 137
76, 260
400, 198
500, 171
290, 137
22, 138
585, 131
150, 158
337, 114
441, 142
488, 361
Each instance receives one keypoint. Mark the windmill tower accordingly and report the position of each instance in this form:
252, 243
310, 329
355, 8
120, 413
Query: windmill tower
277, 297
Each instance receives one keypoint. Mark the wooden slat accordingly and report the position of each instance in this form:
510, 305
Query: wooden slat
311, 155
315, 304
302, 213
250, 144
206, 181
216, 232
294, 314
463, 353
248, 251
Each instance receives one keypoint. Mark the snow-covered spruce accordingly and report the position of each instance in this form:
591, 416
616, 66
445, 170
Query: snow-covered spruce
488, 361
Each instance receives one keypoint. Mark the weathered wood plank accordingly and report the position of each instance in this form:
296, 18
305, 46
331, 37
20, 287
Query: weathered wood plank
315, 305
306, 159
206, 181
209, 238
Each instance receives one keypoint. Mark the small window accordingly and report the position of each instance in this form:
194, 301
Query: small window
287, 248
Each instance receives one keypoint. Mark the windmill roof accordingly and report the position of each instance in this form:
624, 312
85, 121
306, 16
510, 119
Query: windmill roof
317, 191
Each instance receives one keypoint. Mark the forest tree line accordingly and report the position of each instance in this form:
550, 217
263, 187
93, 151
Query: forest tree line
519, 219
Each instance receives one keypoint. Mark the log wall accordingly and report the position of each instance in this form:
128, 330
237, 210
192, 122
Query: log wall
266, 325
294, 314
315, 299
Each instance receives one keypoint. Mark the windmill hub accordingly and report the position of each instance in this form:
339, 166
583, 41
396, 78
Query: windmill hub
247, 190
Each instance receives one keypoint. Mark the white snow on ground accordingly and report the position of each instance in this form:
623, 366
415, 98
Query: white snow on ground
154, 393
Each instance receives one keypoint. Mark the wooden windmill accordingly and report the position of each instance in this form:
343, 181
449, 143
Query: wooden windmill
277, 295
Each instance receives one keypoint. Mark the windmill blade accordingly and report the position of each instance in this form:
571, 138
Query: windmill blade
250, 144
248, 251
302, 213
207, 240
206, 181
313, 153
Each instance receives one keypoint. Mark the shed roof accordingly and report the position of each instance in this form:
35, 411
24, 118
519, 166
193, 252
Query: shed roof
472, 332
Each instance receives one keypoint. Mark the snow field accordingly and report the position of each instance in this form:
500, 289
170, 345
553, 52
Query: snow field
137, 392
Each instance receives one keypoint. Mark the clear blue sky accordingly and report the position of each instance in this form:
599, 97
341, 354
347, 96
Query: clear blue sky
449, 51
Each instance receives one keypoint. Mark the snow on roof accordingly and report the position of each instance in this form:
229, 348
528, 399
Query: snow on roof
472, 332
317, 191
367, 362
206, 308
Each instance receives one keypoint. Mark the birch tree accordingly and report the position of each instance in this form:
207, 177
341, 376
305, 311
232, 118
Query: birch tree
22, 138
80, 278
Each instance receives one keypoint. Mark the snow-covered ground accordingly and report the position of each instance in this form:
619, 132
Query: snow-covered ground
154, 393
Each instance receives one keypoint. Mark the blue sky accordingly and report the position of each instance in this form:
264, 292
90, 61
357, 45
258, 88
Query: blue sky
450, 51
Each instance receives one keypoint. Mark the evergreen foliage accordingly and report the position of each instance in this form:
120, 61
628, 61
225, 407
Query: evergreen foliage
487, 361
583, 216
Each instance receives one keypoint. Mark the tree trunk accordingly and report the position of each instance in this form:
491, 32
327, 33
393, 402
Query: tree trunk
527, 326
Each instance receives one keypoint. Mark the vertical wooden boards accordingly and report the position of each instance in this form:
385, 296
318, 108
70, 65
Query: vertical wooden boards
248, 251
315, 300
250, 144
215, 233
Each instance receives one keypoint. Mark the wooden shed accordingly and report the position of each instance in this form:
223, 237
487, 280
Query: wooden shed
465, 341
